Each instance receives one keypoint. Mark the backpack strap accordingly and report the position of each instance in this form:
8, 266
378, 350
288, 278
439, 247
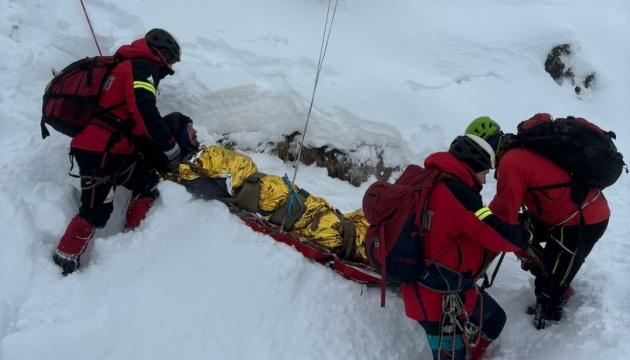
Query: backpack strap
104, 117
383, 251
579, 210
248, 196
542, 190
423, 223
348, 233
488, 282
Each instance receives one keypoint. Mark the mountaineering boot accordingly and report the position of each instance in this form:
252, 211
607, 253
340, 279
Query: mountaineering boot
546, 315
547, 312
73, 244
136, 211
477, 352
67, 263
568, 293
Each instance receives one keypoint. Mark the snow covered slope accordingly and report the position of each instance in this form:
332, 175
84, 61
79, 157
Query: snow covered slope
193, 282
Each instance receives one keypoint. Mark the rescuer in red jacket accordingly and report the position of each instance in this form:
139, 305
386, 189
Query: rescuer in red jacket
527, 178
108, 158
463, 236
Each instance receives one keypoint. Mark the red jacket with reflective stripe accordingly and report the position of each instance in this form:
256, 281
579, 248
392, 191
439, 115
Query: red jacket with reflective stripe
456, 239
119, 91
520, 170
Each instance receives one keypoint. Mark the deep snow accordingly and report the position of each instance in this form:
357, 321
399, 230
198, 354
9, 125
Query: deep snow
193, 282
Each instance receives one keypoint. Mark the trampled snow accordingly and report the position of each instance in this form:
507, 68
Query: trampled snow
193, 282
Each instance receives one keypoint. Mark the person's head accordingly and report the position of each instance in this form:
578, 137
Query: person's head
165, 46
475, 152
181, 127
487, 129
508, 141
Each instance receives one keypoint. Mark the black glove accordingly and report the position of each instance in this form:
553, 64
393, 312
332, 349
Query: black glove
535, 226
173, 166
173, 159
531, 259
525, 220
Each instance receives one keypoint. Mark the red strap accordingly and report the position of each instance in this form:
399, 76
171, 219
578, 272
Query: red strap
383, 250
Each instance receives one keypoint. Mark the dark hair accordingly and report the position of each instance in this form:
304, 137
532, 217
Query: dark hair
177, 124
176, 121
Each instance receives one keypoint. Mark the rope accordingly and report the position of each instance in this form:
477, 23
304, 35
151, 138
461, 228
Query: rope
322, 54
451, 309
455, 320
291, 198
91, 28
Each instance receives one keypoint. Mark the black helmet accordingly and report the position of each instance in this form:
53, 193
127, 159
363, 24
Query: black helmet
165, 43
474, 151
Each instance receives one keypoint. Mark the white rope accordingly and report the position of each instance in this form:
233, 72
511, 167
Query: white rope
322, 55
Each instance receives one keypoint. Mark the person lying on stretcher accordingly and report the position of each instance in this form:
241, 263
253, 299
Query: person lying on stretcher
214, 172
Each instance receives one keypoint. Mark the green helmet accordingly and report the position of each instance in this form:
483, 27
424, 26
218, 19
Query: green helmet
487, 129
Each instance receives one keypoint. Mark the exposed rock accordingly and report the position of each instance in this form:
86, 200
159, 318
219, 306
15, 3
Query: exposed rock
339, 164
554, 64
589, 80
557, 65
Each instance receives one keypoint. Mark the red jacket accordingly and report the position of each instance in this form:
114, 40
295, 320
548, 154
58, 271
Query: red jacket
130, 91
520, 170
457, 238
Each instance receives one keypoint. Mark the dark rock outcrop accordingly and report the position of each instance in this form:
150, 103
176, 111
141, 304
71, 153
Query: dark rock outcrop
557, 66
341, 165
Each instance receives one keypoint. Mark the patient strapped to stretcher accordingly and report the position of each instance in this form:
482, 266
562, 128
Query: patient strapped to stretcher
215, 172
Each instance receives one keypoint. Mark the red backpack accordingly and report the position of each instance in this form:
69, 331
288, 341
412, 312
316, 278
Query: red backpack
398, 219
70, 99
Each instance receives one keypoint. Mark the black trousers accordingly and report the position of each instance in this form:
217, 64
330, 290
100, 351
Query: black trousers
565, 251
101, 173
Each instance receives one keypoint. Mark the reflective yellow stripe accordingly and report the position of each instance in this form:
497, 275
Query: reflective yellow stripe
483, 213
144, 85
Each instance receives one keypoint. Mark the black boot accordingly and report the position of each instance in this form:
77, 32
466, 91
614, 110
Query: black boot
67, 263
546, 312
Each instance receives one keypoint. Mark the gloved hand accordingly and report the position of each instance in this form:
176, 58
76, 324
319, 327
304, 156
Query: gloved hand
174, 158
531, 258
172, 166
525, 221
535, 226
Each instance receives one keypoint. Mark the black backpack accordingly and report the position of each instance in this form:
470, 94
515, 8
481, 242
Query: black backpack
580, 147
70, 99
